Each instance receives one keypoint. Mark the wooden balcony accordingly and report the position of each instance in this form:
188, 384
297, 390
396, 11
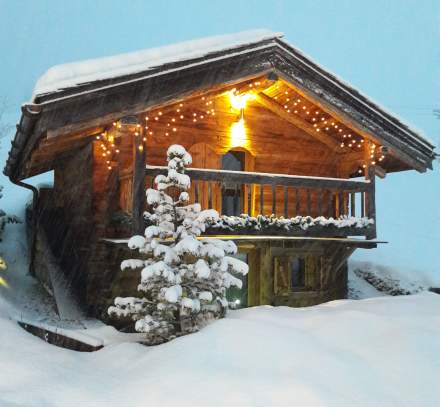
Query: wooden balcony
279, 197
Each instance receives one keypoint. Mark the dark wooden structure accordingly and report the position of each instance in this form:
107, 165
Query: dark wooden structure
309, 145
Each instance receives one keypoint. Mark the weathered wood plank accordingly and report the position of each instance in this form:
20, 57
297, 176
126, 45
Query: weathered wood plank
243, 177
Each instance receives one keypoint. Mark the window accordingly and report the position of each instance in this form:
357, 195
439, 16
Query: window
289, 274
297, 271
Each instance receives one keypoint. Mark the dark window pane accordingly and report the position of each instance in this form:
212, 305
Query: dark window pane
297, 273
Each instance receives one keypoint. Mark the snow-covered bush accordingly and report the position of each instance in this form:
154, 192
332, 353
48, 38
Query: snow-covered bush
185, 278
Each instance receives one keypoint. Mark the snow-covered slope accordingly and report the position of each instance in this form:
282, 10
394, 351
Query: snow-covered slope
388, 280
359, 288
381, 351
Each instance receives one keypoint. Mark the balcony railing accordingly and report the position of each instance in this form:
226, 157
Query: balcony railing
283, 195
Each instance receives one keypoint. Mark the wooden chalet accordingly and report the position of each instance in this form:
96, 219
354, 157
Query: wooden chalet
271, 133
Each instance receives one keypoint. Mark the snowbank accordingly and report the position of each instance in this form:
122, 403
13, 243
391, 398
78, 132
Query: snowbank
381, 351
394, 280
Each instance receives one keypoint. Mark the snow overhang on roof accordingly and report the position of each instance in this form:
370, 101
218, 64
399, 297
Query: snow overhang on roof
70, 75
88, 88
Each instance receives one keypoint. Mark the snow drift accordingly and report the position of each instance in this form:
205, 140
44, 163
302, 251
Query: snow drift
382, 351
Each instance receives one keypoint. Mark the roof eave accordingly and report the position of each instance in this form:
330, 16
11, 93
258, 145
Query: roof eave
32, 112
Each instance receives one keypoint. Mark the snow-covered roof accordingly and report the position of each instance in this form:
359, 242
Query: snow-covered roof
76, 73
101, 89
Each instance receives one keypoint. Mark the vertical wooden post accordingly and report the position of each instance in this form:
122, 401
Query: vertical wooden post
209, 195
139, 179
337, 205
371, 200
253, 200
331, 207
362, 204
319, 203
309, 203
352, 204
274, 199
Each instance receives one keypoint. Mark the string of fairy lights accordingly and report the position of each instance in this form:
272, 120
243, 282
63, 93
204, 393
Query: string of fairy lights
160, 124
323, 122
167, 121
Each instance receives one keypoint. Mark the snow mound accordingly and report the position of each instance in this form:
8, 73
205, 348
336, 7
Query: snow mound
359, 288
76, 73
391, 280
377, 352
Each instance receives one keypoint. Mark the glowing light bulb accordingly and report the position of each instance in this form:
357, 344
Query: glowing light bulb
239, 102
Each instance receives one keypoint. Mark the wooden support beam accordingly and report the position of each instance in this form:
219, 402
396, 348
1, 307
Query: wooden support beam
371, 200
276, 108
139, 198
380, 171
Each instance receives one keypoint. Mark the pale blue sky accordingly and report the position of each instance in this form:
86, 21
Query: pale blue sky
389, 49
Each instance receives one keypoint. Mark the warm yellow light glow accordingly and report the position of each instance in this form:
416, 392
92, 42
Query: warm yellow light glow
238, 134
3, 282
238, 102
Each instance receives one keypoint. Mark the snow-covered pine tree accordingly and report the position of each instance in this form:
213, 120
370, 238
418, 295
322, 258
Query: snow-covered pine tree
184, 280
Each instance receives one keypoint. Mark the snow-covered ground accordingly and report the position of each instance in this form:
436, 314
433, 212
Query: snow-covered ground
381, 351
378, 351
